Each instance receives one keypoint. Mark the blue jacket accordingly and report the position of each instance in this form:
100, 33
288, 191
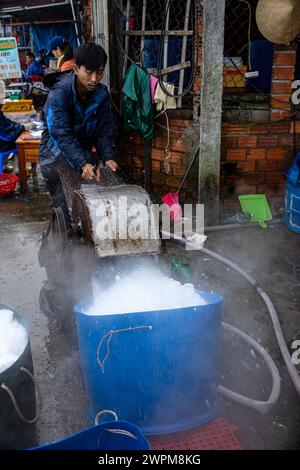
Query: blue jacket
34, 69
73, 130
9, 130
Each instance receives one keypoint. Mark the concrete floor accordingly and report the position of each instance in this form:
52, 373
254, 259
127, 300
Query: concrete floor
271, 256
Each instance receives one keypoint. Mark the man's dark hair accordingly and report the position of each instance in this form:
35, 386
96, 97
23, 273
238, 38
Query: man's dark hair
30, 54
91, 56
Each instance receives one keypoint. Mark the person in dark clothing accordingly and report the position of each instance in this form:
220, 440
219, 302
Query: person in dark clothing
78, 119
10, 131
34, 68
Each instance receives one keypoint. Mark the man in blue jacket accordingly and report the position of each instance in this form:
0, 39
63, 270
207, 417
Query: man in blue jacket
10, 131
34, 68
78, 118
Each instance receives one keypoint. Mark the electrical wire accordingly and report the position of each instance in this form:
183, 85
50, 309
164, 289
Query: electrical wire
194, 64
249, 33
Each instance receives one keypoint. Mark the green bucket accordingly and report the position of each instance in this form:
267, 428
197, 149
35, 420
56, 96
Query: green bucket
257, 205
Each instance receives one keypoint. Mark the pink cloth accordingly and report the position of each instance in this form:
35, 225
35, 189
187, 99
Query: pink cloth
153, 84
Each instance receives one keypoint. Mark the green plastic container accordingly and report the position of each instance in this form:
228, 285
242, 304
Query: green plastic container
257, 205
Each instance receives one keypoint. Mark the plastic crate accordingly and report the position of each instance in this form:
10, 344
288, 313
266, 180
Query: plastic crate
218, 435
233, 78
20, 105
8, 183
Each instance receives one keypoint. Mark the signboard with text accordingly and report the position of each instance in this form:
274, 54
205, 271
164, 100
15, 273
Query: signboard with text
9, 59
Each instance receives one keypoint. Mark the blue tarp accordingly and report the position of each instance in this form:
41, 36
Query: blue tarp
42, 34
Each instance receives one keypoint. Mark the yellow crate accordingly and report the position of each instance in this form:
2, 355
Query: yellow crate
233, 78
20, 105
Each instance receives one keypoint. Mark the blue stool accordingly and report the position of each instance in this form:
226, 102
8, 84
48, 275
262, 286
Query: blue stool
4, 154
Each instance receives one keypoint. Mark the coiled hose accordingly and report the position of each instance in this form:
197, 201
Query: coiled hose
263, 407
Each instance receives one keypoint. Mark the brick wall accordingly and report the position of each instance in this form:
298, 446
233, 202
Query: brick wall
254, 159
254, 155
167, 168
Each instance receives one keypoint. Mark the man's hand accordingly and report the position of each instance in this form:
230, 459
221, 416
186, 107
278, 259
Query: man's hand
112, 165
29, 126
89, 173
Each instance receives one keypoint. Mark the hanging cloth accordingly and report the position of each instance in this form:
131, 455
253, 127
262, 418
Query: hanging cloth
162, 100
136, 102
153, 85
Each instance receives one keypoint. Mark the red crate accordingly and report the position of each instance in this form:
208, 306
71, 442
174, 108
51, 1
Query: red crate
218, 435
8, 183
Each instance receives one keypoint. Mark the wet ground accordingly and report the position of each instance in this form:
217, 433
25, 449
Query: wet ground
271, 256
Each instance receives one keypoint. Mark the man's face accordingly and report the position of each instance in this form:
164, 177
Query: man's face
89, 79
55, 53
28, 60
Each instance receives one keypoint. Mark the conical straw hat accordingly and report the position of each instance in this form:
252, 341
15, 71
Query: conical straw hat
278, 20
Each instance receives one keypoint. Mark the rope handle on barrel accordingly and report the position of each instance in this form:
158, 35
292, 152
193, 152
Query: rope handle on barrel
114, 430
109, 335
14, 401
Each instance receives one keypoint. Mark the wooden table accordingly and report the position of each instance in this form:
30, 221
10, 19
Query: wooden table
28, 152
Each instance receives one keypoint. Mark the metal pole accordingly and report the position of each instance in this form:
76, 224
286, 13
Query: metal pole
75, 22
147, 166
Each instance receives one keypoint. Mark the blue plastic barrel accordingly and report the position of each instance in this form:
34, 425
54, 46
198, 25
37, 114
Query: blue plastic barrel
292, 207
158, 370
261, 53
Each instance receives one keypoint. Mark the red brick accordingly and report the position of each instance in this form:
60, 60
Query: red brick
276, 153
283, 165
179, 145
236, 154
223, 192
258, 128
267, 165
280, 127
138, 162
137, 150
281, 101
229, 141
277, 115
173, 182
283, 73
247, 141
158, 178
297, 127
231, 180
197, 85
255, 178
156, 165
232, 204
267, 141
281, 87
178, 170
245, 188
284, 58
256, 154
271, 189
175, 157
286, 140
246, 166
234, 129
274, 178
180, 122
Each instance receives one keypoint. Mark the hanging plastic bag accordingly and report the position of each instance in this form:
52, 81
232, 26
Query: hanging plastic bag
293, 173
